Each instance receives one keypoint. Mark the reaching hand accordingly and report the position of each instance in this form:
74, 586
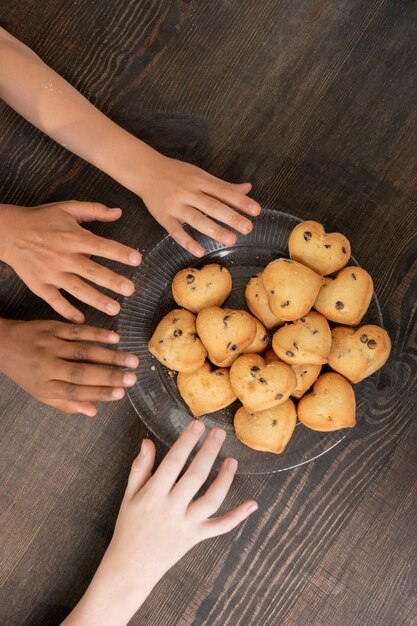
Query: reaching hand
178, 193
52, 362
49, 249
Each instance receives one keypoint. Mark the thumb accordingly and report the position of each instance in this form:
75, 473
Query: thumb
141, 469
91, 211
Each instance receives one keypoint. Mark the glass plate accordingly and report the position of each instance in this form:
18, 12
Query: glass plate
155, 396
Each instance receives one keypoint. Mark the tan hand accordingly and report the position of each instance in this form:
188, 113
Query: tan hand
52, 362
178, 193
49, 249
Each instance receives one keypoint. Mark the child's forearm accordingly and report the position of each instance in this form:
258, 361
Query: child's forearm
46, 100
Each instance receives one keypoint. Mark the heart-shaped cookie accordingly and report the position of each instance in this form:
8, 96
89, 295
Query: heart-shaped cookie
330, 406
266, 431
261, 340
307, 340
292, 288
359, 353
256, 298
322, 252
175, 342
260, 386
345, 299
196, 289
206, 391
305, 374
225, 334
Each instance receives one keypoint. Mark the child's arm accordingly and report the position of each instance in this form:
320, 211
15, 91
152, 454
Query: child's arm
174, 192
52, 361
158, 523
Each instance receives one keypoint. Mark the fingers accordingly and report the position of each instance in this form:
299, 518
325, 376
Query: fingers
108, 249
205, 225
56, 300
93, 375
141, 469
208, 504
232, 196
72, 332
226, 523
90, 211
179, 235
85, 353
104, 277
89, 295
219, 211
87, 408
171, 466
199, 470
84, 393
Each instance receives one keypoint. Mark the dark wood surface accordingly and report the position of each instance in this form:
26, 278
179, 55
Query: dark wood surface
314, 103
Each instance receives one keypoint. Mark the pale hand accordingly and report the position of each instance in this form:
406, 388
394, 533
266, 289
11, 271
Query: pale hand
50, 250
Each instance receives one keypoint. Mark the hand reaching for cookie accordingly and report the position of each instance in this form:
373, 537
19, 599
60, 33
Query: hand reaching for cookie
158, 523
50, 250
52, 361
178, 193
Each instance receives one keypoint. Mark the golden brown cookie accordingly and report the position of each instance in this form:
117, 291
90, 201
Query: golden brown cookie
359, 353
225, 334
292, 288
330, 406
322, 252
196, 289
206, 391
305, 374
261, 340
175, 342
259, 385
266, 431
307, 340
345, 299
256, 298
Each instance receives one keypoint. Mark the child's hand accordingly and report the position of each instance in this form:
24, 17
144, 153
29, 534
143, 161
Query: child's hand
178, 193
158, 523
52, 362
49, 250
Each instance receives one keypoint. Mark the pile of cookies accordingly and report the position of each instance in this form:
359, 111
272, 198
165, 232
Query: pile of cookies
222, 355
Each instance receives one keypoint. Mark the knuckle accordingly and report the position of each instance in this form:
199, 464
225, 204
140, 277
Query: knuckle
76, 374
72, 391
75, 331
81, 353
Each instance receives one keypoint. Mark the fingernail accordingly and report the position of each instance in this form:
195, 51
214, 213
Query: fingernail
254, 209
134, 258
129, 379
197, 427
252, 508
143, 451
245, 227
78, 318
113, 337
117, 393
115, 209
132, 361
231, 465
229, 240
126, 288
219, 435
112, 307
197, 251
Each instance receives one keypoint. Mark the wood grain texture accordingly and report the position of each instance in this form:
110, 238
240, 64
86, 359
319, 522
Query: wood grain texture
314, 102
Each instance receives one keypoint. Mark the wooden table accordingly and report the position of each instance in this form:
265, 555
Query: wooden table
314, 103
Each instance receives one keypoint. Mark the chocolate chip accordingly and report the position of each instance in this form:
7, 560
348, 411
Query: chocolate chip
190, 279
314, 332
272, 291
274, 422
295, 345
372, 344
219, 374
364, 338
343, 249
221, 268
208, 284
339, 305
161, 341
302, 319
231, 346
262, 380
354, 276
327, 245
175, 320
278, 396
307, 235
194, 336
255, 368
225, 319
177, 332
305, 372
289, 353
284, 304
265, 338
